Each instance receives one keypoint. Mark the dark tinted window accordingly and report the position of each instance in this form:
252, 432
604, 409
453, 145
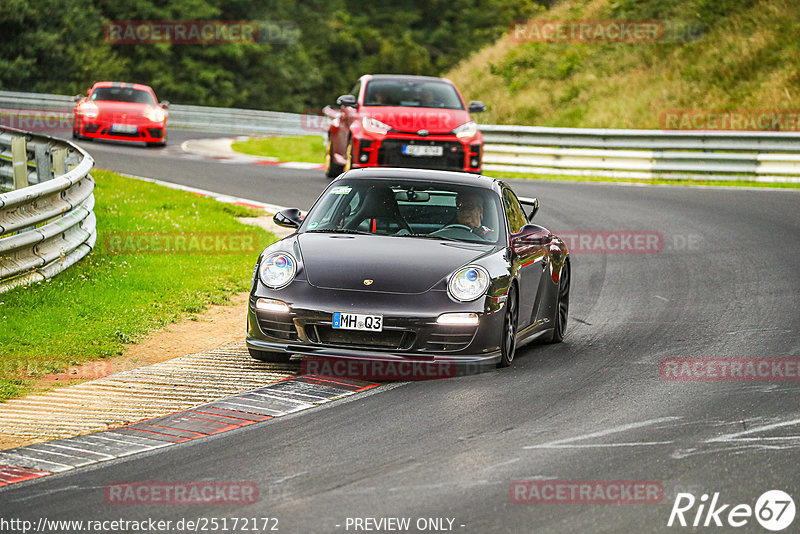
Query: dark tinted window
118, 94
355, 90
412, 93
414, 209
514, 212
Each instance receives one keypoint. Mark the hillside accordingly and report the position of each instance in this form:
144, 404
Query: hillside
720, 55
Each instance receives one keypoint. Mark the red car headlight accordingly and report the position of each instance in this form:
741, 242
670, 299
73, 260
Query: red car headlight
89, 110
155, 114
375, 126
468, 129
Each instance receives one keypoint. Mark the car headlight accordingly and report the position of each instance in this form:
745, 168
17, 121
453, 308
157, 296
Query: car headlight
375, 126
468, 129
468, 283
89, 110
155, 114
277, 270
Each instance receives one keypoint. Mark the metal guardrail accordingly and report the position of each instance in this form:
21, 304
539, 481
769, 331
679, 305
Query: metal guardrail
756, 156
222, 120
718, 155
47, 222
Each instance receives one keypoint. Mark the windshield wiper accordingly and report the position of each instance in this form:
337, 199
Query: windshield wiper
428, 236
338, 231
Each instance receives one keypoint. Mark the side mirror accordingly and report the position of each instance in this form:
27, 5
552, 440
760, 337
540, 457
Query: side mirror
288, 218
532, 202
346, 101
530, 237
476, 106
164, 104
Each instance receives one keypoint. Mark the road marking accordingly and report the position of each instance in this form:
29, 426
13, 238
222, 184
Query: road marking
603, 433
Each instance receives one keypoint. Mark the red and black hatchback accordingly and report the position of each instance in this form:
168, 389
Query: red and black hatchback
403, 121
121, 112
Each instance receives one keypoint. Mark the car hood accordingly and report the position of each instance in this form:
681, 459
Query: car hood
394, 264
409, 119
120, 110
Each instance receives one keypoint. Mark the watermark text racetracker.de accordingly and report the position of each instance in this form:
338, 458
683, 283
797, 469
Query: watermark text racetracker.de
21, 367
203, 32
626, 241
586, 492
605, 31
181, 493
154, 526
382, 370
181, 243
730, 369
36, 120
737, 120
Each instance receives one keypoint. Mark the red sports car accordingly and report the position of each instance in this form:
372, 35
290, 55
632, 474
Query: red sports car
403, 121
121, 112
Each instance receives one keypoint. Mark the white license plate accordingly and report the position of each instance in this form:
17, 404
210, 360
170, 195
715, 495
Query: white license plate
422, 150
123, 128
356, 321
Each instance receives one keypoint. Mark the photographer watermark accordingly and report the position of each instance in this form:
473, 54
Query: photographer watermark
774, 510
586, 31
729, 369
585, 492
202, 32
181, 243
21, 367
36, 120
181, 493
377, 370
627, 241
738, 120
315, 121
605, 31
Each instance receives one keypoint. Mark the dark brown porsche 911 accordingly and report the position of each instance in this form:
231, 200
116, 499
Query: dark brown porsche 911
410, 265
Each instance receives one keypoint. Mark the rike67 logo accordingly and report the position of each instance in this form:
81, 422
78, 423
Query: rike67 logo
774, 510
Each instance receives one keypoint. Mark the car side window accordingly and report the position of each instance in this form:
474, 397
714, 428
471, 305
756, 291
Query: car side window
514, 212
356, 89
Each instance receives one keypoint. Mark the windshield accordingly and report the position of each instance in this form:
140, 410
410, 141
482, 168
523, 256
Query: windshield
408, 209
412, 93
118, 94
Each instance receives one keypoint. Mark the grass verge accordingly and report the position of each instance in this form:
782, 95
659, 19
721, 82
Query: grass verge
306, 149
129, 285
648, 181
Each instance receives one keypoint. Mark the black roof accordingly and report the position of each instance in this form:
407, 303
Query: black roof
422, 175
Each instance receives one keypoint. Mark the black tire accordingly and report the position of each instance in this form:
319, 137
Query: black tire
562, 305
268, 356
75, 133
508, 341
332, 169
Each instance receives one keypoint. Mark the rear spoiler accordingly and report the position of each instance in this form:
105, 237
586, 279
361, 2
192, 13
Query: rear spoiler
530, 201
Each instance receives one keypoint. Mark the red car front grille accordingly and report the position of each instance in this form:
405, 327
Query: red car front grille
391, 154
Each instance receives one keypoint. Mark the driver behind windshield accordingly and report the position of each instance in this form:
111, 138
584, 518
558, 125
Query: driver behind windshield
470, 213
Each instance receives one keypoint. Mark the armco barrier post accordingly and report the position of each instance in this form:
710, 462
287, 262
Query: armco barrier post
19, 160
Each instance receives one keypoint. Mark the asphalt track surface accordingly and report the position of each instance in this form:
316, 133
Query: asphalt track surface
595, 407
